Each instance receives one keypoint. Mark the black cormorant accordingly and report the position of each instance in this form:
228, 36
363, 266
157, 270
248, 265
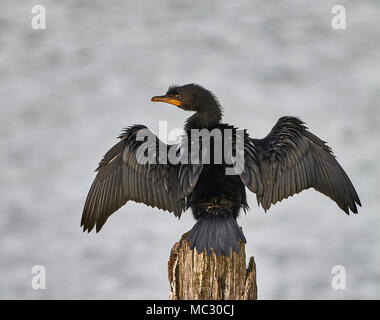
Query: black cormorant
288, 160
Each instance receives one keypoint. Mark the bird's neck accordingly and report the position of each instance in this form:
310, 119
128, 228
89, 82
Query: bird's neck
206, 119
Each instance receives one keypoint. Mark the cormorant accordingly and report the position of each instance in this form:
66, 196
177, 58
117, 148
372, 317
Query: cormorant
288, 160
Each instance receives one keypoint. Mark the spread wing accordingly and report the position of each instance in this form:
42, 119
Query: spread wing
124, 174
291, 159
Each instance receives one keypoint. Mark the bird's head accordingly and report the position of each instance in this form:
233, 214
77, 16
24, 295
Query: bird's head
190, 97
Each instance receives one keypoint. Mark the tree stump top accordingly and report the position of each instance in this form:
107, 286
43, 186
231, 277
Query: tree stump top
194, 276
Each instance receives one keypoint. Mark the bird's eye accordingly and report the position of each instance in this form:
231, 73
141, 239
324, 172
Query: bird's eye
178, 96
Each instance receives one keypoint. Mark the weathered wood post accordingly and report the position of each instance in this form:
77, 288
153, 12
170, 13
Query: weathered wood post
194, 276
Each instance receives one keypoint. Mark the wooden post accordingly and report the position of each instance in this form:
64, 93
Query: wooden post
194, 276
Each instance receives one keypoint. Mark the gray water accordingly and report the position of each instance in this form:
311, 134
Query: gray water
67, 91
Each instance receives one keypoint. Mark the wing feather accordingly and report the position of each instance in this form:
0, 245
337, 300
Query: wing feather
291, 159
122, 176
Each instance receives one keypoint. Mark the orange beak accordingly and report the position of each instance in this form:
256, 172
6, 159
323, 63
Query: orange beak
166, 99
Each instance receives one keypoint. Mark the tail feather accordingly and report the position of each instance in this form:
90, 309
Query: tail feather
218, 232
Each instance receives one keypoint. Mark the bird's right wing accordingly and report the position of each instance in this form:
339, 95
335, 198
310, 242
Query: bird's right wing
123, 176
291, 159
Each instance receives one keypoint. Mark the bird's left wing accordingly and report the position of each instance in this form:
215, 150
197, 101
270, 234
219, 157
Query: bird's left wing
123, 176
291, 159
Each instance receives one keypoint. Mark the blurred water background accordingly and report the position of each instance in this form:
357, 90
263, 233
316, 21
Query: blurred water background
67, 91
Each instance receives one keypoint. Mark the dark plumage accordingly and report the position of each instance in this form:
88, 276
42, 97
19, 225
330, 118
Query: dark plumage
288, 160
